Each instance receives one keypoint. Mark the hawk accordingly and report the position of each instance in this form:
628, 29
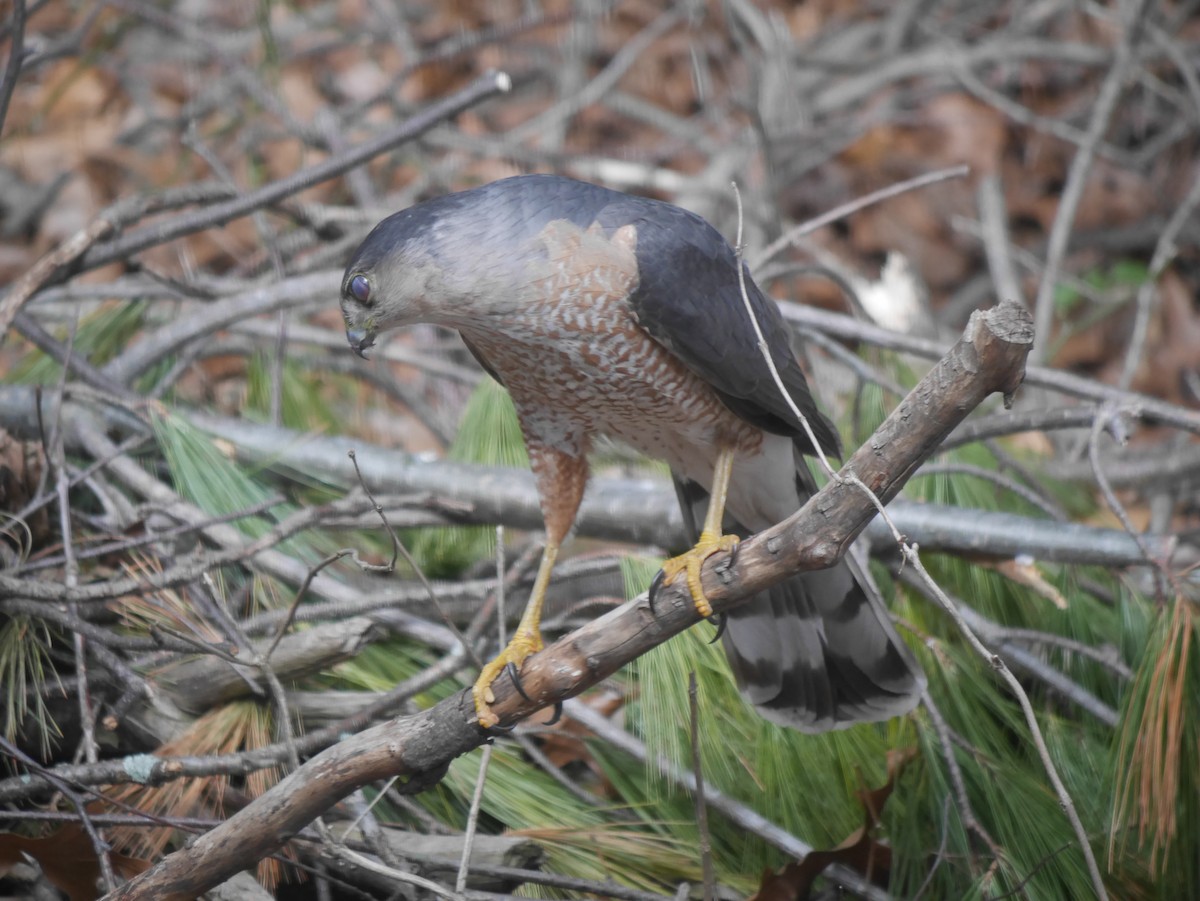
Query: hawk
608, 314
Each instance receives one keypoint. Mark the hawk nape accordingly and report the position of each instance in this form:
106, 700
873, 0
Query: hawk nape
606, 314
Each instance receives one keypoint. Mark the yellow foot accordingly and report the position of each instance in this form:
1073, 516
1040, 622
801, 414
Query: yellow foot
523, 644
691, 561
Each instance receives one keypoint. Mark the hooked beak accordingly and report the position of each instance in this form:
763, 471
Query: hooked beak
360, 340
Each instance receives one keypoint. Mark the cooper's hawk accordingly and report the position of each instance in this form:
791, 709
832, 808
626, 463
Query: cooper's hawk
606, 314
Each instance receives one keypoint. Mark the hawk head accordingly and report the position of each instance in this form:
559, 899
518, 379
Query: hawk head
455, 261
392, 279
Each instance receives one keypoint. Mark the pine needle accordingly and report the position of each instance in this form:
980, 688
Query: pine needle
1159, 751
25, 667
234, 727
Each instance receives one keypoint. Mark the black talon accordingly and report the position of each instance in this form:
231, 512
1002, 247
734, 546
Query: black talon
720, 620
733, 555
511, 669
557, 714
656, 585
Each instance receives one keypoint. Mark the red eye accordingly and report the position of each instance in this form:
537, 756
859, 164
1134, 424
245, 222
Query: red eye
360, 288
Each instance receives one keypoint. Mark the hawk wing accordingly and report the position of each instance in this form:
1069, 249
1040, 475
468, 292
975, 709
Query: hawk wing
689, 299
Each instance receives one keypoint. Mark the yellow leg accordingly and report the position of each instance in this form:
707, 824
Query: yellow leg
711, 540
527, 640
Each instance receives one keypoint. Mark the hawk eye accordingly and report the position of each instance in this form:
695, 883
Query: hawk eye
360, 288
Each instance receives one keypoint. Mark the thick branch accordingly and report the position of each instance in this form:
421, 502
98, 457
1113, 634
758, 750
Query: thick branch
990, 357
198, 684
645, 511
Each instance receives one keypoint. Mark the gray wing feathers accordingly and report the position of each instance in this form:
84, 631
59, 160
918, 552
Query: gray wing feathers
689, 299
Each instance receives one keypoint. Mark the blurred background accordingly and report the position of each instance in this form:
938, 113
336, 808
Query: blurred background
180, 185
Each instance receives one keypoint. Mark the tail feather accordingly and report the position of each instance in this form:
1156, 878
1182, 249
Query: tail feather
817, 652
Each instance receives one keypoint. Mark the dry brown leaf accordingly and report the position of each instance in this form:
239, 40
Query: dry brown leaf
563, 742
915, 225
1171, 354
1091, 348
964, 130
68, 860
860, 851
21, 466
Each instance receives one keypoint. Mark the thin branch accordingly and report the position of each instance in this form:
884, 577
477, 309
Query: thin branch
993, 218
148, 769
1077, 176
957, 782
485, 759
486, 86
12, 69
33, 332
1107, 420
1013, 422
1164, 252
41, 271
706, 858
1019, 657
913, 558
848, 209
289, 293
399, 876
1147, 408
99, 845
604, 81
1017, 329
87, 714
999, 479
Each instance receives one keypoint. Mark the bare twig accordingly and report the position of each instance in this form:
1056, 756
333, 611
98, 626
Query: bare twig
87, 714
603, 82
912, 557
1017, 330
41, 272
1164, 252
485, 759
1108, 420
847, 209
361, 860
291, 294
28, 326
1077, 175
706, 859
148, 769
99, 845
958, 784
1143, 406
1017, 656
486, 86
996, 478
994, 220
12, 69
